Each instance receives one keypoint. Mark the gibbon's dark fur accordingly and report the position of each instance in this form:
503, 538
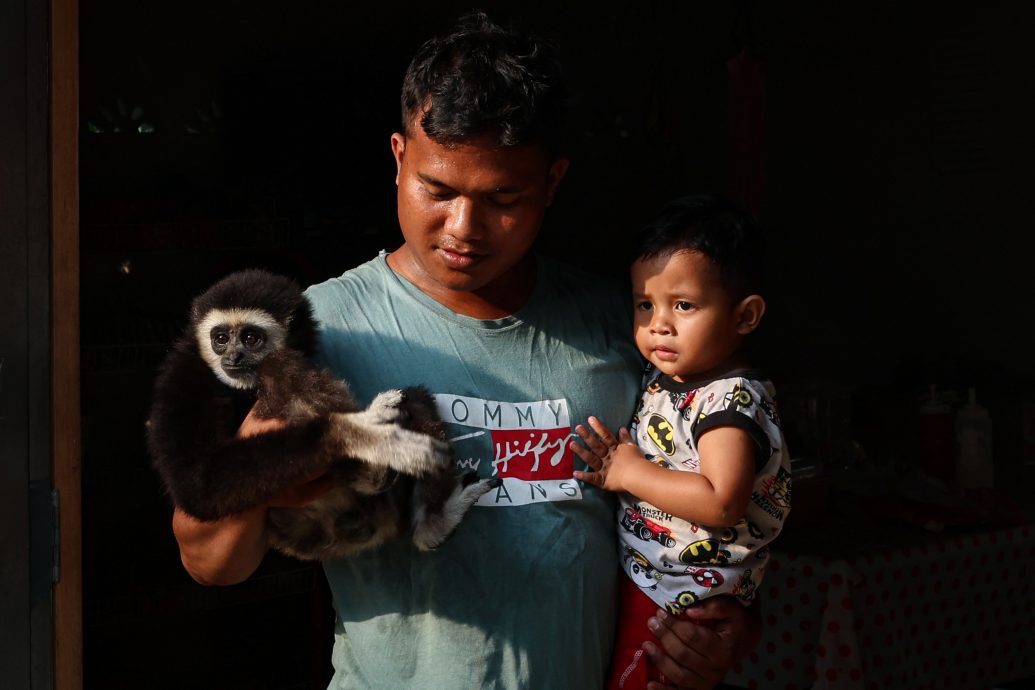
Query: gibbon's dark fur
393, 469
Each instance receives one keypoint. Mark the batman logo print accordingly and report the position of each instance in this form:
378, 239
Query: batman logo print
660, 431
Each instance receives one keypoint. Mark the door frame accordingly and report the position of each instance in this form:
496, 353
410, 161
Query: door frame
65, 381
40, 429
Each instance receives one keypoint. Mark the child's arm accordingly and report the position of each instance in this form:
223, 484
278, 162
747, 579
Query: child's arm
718, 496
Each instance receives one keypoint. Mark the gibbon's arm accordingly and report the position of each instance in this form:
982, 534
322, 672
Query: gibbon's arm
224, 479
229, 550
377, 435
209, 469
213, 472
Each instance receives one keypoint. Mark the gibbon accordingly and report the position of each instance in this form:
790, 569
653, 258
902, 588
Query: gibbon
247, 347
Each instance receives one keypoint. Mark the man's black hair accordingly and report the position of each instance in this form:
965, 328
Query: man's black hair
717, 228
484, 80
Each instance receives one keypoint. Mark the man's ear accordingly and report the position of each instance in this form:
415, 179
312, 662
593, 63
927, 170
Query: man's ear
553, 178
398, 146
749, 313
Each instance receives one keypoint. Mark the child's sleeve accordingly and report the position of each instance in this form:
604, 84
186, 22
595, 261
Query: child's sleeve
738, 402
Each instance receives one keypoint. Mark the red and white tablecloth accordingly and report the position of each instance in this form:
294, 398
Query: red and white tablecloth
955, 612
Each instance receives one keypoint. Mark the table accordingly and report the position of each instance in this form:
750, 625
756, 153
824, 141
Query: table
896, 608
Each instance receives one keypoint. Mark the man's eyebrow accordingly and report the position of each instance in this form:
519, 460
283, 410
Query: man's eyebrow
428, 179
435, 182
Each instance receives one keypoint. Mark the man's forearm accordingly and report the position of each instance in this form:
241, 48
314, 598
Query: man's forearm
222, 552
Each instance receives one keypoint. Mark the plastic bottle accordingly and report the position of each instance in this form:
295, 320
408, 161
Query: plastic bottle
936, 437
974, 466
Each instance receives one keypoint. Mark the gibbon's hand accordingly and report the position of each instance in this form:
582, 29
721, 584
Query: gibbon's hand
609, 457
386, 408
375, 435
297, 496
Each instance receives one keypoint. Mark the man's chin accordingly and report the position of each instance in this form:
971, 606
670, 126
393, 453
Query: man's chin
458, 281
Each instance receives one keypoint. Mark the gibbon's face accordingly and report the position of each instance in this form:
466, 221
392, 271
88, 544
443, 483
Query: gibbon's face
234, 342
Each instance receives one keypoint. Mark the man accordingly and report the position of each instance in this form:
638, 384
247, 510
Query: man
515, 348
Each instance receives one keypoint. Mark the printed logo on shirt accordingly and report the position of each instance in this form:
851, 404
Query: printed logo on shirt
775, 494
660, 432
523, 443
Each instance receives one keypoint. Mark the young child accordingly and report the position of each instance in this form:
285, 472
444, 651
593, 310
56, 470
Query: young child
703, 477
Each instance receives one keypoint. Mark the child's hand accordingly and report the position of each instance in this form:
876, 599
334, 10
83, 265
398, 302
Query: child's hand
609, 457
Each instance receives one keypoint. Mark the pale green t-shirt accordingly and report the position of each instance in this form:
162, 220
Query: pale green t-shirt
523, 593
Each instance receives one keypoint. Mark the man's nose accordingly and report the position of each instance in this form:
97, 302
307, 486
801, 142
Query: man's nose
462, 221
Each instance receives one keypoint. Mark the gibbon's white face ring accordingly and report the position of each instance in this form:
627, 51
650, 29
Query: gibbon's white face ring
236, 319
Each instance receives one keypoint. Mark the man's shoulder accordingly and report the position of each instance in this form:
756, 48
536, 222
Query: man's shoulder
362, 281
364, 276
362, 289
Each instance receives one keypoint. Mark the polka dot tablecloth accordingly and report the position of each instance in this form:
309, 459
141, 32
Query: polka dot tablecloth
957, 613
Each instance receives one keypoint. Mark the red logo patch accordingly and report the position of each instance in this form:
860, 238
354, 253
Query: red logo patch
532, 454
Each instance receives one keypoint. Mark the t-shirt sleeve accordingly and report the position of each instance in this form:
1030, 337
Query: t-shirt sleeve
318, 300
739, 403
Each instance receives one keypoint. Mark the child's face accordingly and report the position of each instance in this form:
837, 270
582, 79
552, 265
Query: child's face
685, 322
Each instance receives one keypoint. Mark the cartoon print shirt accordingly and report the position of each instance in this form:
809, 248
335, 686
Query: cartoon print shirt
675, 562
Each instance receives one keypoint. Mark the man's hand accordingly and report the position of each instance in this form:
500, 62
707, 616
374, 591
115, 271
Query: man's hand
253, 426
303, 494
293, 496
692, 656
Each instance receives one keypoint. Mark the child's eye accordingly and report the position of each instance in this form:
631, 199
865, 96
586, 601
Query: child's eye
643, 306
684, 306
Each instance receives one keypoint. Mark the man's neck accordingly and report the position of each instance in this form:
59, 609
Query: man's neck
503, 297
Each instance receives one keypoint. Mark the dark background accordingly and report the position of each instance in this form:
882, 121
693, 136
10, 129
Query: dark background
898, 159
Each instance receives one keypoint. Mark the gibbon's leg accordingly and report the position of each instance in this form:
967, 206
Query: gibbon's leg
434, 521
216, 481
374, 435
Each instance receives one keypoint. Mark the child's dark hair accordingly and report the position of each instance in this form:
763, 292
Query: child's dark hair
484, 80
715, 227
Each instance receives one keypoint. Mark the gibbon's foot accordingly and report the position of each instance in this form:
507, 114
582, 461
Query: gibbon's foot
365, 436
470, 477
430, 530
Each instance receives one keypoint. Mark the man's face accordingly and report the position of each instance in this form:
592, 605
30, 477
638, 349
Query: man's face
469, 213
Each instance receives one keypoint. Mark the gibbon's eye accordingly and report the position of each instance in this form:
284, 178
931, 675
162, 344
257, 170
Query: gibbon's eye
252, 338
221, 339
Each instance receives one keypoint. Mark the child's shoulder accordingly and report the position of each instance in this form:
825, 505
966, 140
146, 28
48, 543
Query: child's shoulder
747, 379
